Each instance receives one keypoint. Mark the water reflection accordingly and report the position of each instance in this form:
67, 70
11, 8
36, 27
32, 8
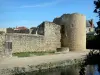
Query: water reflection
91, 70
58, 71
96, 70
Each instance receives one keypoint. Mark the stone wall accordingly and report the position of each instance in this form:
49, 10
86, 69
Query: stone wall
52, 34
10, 30
2, 44
64, 38
5, 51
3, 29
50, 41
33, 30
75, 31
69, 30
27, 43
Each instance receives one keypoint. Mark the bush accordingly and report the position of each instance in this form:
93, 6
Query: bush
93, 42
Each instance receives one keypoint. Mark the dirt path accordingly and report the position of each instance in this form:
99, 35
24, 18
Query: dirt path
36, 60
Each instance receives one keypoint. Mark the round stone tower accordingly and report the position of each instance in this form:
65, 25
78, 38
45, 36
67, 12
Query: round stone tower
75, 30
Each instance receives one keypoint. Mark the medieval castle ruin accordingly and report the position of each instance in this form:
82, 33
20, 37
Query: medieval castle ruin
65, 32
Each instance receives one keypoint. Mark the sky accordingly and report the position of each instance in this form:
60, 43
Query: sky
31, 13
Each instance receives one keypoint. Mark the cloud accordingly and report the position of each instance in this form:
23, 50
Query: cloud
42, 4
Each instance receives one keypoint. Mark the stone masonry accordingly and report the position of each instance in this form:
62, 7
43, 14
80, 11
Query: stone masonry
75, 31
50, 41
67, 31
2, 42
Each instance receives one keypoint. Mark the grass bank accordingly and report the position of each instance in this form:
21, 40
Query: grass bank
28, 54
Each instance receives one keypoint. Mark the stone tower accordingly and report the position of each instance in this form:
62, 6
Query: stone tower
75, 31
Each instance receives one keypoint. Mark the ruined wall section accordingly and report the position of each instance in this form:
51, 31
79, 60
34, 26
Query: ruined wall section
2, 44
64, 37
52, 35
50, 41
27, 43
3, 29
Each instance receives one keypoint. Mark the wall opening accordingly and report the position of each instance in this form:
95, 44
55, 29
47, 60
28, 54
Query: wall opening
62, 31
8, 48
8, 45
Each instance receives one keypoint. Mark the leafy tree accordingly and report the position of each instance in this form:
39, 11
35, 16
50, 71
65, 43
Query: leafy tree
97, 10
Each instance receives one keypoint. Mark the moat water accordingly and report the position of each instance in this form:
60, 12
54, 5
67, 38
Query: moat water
67, 71
96, 71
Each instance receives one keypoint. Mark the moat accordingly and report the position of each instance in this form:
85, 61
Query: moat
59, 64
69, 70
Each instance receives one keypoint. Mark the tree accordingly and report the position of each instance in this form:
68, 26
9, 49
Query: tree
97, 10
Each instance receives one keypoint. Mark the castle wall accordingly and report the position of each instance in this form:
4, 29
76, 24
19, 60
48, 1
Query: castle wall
34, 43
64, 38
3, 29
52, 35
27, 43
2, 42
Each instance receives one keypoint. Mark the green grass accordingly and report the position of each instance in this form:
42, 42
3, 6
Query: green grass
28, 54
